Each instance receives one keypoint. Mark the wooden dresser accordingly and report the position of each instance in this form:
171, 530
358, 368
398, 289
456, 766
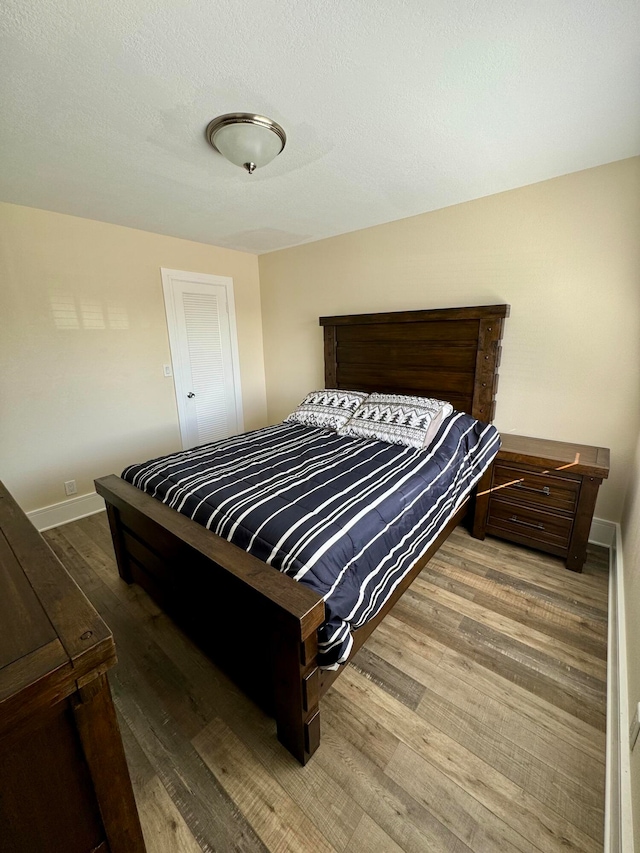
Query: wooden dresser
542, 494
64, 782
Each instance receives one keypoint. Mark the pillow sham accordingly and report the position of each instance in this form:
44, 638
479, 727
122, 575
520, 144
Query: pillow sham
397, 419
328, 409
435, 424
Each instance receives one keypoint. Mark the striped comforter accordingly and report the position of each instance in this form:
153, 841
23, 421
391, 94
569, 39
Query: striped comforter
346, 516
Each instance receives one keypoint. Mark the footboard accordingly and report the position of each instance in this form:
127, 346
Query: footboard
256, 623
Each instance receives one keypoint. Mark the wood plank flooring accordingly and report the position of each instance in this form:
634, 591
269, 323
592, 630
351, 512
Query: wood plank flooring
473, 719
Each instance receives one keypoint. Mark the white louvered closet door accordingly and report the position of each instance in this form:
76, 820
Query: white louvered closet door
202, 335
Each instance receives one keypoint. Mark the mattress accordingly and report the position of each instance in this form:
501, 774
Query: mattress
346, 516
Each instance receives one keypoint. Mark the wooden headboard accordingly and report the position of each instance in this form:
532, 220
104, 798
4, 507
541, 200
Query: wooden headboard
448, 353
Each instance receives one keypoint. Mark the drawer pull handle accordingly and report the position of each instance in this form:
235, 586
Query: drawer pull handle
538, 526
545, 490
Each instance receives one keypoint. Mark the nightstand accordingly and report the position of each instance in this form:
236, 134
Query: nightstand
64, 784
542, 494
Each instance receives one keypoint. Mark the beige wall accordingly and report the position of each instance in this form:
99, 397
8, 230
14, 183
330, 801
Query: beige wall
631, 555
564, 253
83, 338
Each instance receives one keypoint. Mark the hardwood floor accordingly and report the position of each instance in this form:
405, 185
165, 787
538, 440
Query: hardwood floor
472, 720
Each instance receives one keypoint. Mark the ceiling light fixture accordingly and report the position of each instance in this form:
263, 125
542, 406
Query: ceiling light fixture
245, 139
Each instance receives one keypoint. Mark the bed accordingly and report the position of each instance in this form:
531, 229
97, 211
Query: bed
265, 630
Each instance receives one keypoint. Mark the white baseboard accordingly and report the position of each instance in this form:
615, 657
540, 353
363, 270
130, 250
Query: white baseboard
603, 532
66, 511
618, 823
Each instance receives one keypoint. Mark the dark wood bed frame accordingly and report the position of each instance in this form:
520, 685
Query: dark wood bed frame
265, 629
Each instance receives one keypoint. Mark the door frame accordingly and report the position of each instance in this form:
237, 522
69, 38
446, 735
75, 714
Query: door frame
168, 277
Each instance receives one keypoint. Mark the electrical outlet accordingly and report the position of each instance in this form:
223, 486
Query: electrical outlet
635, 728
70, 487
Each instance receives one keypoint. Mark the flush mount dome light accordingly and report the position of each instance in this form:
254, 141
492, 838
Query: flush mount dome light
247, 140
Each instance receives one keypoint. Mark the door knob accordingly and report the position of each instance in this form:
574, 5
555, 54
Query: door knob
190, 394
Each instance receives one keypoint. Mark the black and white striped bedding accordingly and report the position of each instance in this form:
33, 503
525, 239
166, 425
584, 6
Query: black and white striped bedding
346, 516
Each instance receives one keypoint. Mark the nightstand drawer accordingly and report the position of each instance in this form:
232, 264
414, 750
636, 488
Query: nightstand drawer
527, 523
547, 491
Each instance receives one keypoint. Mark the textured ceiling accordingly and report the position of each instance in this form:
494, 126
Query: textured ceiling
391, 108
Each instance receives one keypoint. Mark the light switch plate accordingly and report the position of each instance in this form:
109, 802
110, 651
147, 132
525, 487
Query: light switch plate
167, 369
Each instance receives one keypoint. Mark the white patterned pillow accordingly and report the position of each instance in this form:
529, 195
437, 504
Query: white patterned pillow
436, 423
329, 409
397, 419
